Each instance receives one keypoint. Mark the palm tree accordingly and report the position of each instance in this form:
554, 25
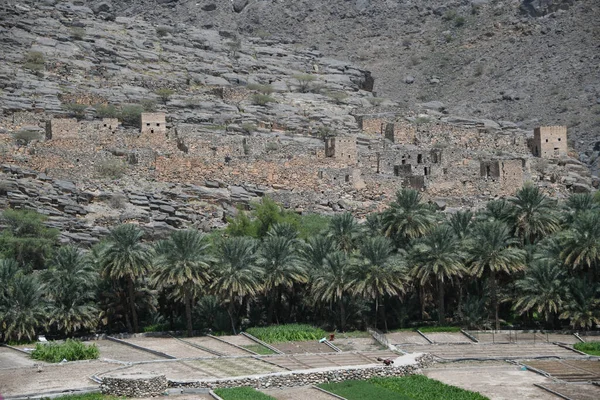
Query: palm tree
492, 250
461, 223
499, 210
315, 250
344, 230
581, 243
535, 214
582, 307
183, 262
283, 229
124, 255
281, 266
407, 217
332, 281
71, 281
236, 273
22, 307
438, 256
542, 289
379, 272
579, 202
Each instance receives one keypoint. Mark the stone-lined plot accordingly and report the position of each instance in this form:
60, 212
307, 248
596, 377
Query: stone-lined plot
217, 346
310, 361
492, 351
111, 350
448, 337
406, 337
13, 359
302, 347
239, 340
229, 367
569, 370
574, 391
357, 344
170, 346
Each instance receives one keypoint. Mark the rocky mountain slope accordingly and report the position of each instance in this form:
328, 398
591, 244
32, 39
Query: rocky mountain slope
247, 114
528, 61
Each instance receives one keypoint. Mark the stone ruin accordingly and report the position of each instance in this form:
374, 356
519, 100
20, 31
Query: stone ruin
153, 123
550, 141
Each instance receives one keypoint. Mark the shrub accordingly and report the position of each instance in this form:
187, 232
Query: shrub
242, 393
106, 111
34, 61
148, 105
248, 128
271, 146
113, 169
459, 21
117, 201
338, 97
264, 89
325, 131
262, 99
165, 94
422, 120
304, 82
75, 110
77, 33
589, 348
24, 137
70, 350
287, 333
130, 114
162, 31
235, 46
449, 15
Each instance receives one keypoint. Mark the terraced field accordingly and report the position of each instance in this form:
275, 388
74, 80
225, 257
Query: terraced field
492, 351
169, 346
217, 346
110, 350
569, 370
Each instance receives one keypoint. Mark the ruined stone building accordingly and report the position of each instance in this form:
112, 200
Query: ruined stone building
341, 148
550, 141
153, 123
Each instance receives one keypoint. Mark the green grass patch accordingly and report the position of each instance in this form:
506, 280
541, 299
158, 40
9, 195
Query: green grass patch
362, 390
287, 333
242, 393
70, 350
419, 387
589, 348
259, 349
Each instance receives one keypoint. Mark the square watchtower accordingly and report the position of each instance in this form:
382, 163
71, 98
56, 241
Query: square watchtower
153, 123
550, 141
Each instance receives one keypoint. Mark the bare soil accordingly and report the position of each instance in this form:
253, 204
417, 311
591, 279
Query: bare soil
170, 346
357, 344
216, 345
448, 337
575, 391
303, 347
72, 375
500, 351
502, 382
239, 340
13, 359
115, 351
298, 393
406, 337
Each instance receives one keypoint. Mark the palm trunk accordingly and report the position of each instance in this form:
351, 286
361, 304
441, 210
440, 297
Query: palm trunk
376, 311
342, 314
231, 312
441, 308
278, 306
422, 297
131, 295
494, 295
271, 309
188, 313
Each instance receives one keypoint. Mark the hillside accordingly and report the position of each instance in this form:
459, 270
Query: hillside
247, 115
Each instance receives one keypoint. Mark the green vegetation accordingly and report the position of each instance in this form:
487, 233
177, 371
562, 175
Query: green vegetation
164, 94
111, 168
362, 390
419, 387
106, 111
75, 110
526, 260
263, 89
70, 350
130, 114
287, 333
589, 348
77, 33
259, 349
262, 99
414, 387
433, 329
305, 82
242, 393
34, 61
24, 136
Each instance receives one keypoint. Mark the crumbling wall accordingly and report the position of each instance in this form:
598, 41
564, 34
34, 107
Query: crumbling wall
342, 148
60, 128
372, 124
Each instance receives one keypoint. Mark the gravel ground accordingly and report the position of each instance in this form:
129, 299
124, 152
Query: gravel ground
298, 393
72, 375
13, 359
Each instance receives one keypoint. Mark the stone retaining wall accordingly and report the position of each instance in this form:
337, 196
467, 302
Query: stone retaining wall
134, 385
311, 377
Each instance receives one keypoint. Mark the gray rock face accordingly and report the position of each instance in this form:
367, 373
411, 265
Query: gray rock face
539, 8
239, 5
